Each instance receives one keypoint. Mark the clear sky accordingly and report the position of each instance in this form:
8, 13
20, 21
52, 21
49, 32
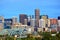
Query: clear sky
10, 8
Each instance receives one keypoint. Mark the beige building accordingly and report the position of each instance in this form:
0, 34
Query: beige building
1, 23
42, 23
16, 25
14, 20
48, 22
25, 21
45, 17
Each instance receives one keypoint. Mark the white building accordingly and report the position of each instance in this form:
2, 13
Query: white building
42, 23
14, 19
48, 22
32, 22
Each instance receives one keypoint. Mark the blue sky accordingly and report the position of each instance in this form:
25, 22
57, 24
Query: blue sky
10, 8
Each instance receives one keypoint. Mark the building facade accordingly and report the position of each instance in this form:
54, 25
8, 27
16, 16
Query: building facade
22, 17
58, 28
53, 24
32, 22
45, 17
7, 23
1, 23
42, 23
14, 20
37, 14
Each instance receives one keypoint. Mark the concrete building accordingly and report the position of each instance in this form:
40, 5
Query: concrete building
14, 20
45, 17
22, 17
58, 28
37, 14
25, 21
53, 24
7, 23
58, 21
1, 23
29, 21
48, 23
16, 25
53, 21
42, 23
32, 22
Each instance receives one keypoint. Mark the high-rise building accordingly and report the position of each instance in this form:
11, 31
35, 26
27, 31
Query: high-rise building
42, 25
45, 17
53, 21
22, 17
14, 20
53, 24
48, 22
1, 23
7, 23
25, 21
29, 21
37, 17
32, 22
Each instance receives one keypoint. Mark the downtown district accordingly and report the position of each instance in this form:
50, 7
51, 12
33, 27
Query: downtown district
29, 24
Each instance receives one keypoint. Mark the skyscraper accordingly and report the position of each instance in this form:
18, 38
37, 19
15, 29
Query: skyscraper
22, 17
37, 17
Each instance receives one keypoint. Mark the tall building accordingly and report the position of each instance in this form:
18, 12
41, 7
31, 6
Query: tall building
1, 23
25, 21
45, 17
53, 21
7, 23
14, 20
29, 21
53, 24
22, 17
37, 17
32, 22
48, 22
58, 23
42, 25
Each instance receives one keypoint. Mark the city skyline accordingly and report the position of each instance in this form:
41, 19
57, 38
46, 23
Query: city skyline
15, 7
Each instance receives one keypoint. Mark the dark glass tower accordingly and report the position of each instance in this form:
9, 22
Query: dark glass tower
22, 17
